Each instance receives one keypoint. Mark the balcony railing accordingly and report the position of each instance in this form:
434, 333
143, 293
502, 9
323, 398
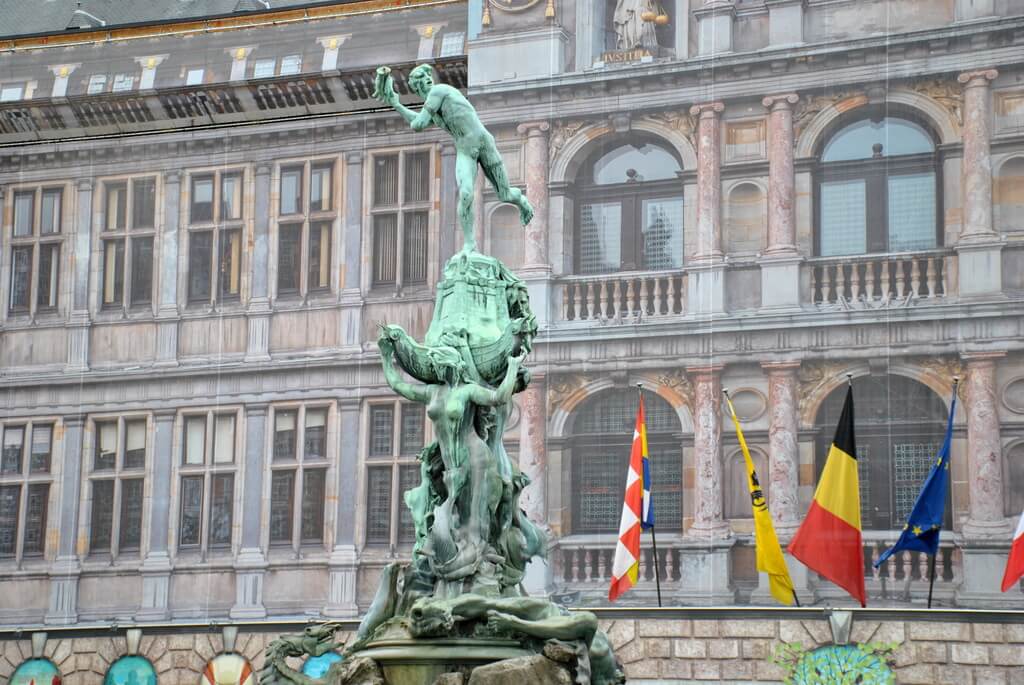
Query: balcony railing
877, 281
623, 297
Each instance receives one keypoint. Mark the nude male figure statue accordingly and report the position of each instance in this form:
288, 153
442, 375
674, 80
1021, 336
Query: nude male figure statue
448, 109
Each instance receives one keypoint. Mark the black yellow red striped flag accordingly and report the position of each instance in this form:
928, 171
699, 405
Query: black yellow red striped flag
829, 540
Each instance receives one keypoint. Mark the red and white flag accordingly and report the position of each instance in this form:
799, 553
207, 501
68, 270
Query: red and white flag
1015, 564
635, 512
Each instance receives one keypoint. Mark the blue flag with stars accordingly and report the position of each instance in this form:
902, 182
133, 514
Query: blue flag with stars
921, 534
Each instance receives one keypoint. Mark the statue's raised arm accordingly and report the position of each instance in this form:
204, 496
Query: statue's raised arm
449, 109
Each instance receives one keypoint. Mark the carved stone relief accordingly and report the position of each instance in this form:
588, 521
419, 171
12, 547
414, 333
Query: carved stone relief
947, 93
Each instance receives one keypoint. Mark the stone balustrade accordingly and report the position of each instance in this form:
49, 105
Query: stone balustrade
871, 281
623, 296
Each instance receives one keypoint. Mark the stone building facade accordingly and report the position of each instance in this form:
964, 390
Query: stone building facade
203, 224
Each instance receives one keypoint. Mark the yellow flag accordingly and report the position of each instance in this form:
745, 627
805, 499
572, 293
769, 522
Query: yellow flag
769, 553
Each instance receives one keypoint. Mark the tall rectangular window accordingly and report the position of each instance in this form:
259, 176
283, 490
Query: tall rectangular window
206, 473
402, 190
397, 431
307, 215
116, 485
36, 240
25, 487
215, 254
129, 232
298, 482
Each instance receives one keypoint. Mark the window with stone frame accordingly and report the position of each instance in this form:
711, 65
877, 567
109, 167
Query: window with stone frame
401, 195
299, 461
215, 236
396, 434
629, 208
127, 242
207, 479
116, 477
36, 241
602, 437
306, 212
26, 483
899, 424
878, 187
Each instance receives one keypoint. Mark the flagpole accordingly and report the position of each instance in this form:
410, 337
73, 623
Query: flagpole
654, 539
931, 564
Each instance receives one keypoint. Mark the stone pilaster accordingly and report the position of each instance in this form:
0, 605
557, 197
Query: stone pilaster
258, 315
343, 565
78, 320
167, 308
535, 249
708, 519
352, 237
979, 247
780, 264
450, 239
984, 450
65, 569
715, 21
156, 567
251, 563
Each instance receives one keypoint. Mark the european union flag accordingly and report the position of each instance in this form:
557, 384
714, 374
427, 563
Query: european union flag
921, 534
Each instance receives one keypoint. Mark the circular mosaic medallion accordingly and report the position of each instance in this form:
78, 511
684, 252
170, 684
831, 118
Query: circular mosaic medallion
842, 664
36, 672
130, 670
228, 669
317, 666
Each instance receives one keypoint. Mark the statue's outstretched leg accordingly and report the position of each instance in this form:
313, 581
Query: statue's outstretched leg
465, 177
494, 170
577, 626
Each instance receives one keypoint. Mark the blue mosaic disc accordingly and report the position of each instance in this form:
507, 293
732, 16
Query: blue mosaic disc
36, 672
130, 670
842, 664
317, 666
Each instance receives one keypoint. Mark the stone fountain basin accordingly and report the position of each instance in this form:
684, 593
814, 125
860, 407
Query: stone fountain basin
419, 662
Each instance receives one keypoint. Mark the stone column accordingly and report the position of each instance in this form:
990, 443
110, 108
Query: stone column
258, 341
979, 247
783, 450
167, 308
535, 249
985, 537
156, 567
78, 320
343, 564
706, 289
251, 564
984, 449
780, 264
705, 567
708, 520
65, 570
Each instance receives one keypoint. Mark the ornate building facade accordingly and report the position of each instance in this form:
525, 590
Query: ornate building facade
204, 221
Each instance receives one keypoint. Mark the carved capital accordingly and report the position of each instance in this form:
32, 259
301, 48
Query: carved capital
263, 168
704, 372
354, 157
780, 367
980, 77
980, 359
533, 128
85, 184
172, 177
708, 110
777, 102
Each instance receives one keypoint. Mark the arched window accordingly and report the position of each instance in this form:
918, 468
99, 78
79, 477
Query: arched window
630, 209
602, 435
899, 425
878, 188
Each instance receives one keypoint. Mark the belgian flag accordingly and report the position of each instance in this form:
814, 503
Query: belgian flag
829, 538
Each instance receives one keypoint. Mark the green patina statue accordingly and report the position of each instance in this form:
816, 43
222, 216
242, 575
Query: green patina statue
449, 109
463, 585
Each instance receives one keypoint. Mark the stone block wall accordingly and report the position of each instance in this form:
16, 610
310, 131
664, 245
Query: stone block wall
653, 650
741, 650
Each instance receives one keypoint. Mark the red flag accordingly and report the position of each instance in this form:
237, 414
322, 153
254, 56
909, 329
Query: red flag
1015, 564
626, 564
